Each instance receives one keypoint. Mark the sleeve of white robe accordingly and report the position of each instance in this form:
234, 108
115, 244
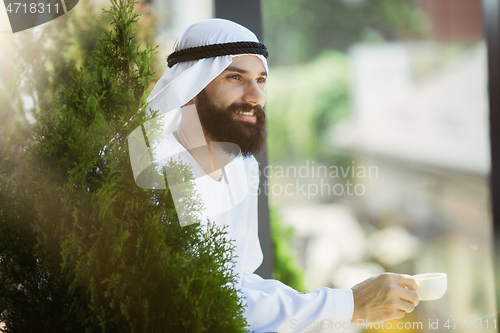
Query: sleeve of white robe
275, 307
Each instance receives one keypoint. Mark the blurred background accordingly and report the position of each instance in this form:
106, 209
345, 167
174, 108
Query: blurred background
377, 134
387, 99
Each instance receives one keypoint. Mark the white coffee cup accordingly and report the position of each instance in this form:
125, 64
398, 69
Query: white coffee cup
431, 286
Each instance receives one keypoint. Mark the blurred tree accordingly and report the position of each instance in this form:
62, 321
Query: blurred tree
83, 248
303, 102
296, 31
286, 269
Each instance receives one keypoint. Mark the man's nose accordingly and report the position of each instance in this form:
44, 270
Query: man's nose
254, 95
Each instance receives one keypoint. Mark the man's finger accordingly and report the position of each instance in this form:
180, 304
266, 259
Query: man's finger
410, 296
406, 281
399, 314
405, 306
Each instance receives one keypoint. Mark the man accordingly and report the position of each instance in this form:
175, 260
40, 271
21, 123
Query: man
213, 99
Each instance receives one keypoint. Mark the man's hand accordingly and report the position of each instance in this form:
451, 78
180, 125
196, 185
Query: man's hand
384, 297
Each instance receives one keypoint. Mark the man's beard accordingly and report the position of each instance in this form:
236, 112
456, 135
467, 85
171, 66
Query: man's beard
221, 126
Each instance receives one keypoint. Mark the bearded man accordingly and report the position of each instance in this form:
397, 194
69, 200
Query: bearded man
212, 100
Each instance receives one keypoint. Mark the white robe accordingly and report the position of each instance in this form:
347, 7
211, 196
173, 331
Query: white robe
271, 305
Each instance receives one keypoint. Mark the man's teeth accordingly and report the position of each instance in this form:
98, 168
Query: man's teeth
249, 113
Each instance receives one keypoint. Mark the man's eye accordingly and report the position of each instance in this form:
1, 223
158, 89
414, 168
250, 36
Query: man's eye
234, 76
261, 80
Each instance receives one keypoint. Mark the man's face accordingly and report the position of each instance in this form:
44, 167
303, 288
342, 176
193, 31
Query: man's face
231, 106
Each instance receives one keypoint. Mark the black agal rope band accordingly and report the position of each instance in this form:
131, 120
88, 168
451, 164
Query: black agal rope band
216, 50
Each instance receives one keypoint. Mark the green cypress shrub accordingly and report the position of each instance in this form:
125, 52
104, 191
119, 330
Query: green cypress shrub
82, 247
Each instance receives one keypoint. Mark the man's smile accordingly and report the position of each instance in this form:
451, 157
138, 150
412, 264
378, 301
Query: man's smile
247, 116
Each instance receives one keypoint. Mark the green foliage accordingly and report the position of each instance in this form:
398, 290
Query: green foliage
303, 102
297, 31
285, 267
34, 294
33, 67
83, 248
